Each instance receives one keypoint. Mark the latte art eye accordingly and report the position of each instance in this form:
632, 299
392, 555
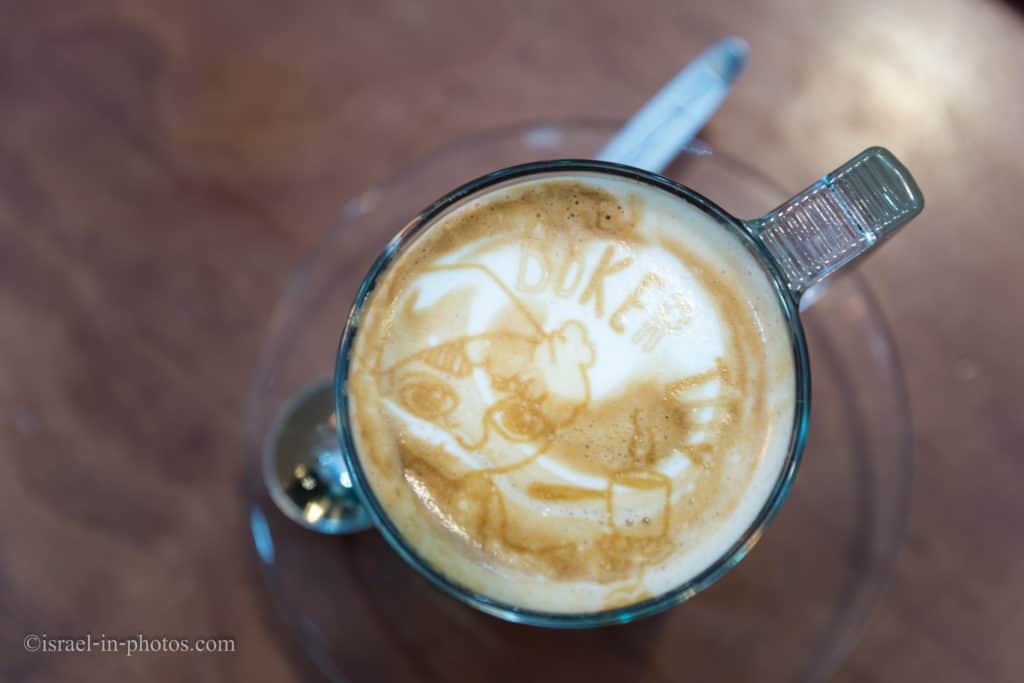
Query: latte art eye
427, 397
518, 420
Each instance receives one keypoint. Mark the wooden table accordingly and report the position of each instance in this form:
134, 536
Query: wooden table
164, 166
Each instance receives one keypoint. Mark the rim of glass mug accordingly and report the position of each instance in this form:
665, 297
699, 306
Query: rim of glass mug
788, 290
621, 614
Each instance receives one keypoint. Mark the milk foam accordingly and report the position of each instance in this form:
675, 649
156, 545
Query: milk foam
573, 393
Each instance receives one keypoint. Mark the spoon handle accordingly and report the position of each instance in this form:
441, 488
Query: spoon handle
665, 125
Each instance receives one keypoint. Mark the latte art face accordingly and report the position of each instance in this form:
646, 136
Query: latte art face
572, 393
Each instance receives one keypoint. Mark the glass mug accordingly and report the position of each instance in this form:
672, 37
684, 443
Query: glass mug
800, 243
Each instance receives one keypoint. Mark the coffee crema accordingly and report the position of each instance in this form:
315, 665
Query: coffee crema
572, 392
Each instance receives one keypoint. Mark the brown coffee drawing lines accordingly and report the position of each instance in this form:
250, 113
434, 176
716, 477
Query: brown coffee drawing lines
492, 394
528, 413
568, 275
427, 384
543, 223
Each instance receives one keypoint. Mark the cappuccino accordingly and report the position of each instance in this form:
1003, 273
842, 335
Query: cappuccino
572, 392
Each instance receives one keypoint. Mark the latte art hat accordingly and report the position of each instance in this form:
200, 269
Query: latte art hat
447, 307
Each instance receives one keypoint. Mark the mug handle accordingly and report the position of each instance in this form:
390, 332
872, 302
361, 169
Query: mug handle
838, 218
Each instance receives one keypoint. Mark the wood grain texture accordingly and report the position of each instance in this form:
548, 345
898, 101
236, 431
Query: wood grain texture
164, 166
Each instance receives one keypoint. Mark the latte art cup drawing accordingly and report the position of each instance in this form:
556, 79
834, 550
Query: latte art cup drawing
574, 393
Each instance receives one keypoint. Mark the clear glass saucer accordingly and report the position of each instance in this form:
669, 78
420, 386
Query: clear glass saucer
791, 611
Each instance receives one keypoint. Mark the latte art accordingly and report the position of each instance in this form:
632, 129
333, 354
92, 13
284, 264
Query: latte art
572, 393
